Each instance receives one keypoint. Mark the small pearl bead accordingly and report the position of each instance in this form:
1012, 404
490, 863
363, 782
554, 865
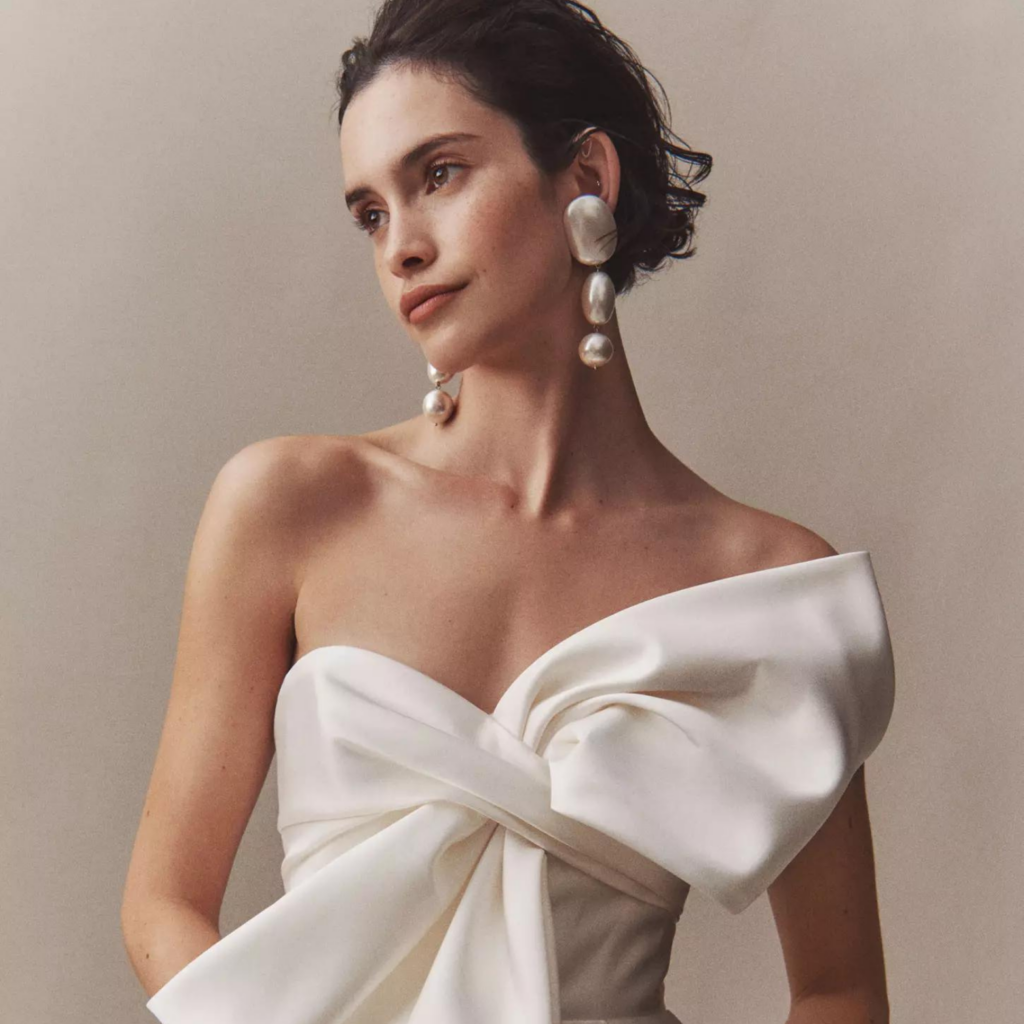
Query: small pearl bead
596, 349
438, 405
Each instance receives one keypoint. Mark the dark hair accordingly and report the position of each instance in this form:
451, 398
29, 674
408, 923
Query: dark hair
552, 67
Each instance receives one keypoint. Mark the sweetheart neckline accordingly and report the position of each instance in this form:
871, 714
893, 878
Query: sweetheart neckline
792, 567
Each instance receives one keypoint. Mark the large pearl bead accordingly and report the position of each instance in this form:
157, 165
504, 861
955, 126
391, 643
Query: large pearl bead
438, 405
591, 229
596, 349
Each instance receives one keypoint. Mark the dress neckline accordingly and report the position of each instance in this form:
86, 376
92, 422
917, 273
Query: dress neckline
758, 575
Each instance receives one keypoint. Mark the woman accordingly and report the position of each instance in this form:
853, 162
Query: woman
528, 677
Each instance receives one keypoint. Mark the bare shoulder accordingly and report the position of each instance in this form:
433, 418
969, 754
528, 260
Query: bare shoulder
289, 477
279, 496
273, 468
753, 538
793, 542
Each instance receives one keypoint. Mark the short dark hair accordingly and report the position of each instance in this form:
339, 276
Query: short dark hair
554, 69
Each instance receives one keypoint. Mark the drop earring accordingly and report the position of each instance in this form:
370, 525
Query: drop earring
438, 405
593, 238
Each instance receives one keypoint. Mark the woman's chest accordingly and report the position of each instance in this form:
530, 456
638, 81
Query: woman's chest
472, 600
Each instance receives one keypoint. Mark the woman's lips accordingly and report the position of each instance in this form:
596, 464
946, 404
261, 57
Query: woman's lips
424, 309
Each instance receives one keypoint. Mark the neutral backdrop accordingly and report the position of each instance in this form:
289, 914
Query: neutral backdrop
180, 279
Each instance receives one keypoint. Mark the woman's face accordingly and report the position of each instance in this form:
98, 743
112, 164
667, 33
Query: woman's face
492, 222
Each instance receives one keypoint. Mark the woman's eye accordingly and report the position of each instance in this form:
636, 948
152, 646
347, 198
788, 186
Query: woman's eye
442, 166
364, 224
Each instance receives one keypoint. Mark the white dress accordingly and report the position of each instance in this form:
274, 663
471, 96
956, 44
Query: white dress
446, 866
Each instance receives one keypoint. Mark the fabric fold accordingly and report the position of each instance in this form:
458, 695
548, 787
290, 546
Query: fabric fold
699, 738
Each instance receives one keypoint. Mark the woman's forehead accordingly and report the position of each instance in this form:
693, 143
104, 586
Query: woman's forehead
403, 108
406, 98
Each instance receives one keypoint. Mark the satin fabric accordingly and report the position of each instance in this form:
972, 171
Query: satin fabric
447, 866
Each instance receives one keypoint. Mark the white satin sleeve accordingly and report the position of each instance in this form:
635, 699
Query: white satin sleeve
741, 758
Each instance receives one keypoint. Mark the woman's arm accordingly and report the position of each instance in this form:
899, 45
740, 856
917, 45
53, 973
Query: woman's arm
826, 910
235, 645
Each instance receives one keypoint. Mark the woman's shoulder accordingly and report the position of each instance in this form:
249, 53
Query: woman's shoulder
751, 538
297, 483
295, 463
322, 474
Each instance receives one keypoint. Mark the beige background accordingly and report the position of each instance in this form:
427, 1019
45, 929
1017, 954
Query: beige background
179, 279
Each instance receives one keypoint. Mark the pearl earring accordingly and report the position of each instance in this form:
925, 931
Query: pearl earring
593, 238
438, 405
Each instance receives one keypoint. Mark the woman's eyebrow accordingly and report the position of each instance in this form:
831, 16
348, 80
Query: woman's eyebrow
415, 154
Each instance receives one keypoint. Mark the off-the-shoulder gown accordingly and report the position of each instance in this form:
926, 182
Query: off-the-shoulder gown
443, 865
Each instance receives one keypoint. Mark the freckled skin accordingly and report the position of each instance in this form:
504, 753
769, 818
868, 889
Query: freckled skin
495, 222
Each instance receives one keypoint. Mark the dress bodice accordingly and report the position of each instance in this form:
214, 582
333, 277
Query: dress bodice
443, 865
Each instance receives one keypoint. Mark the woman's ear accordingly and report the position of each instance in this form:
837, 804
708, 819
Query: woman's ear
597, 160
